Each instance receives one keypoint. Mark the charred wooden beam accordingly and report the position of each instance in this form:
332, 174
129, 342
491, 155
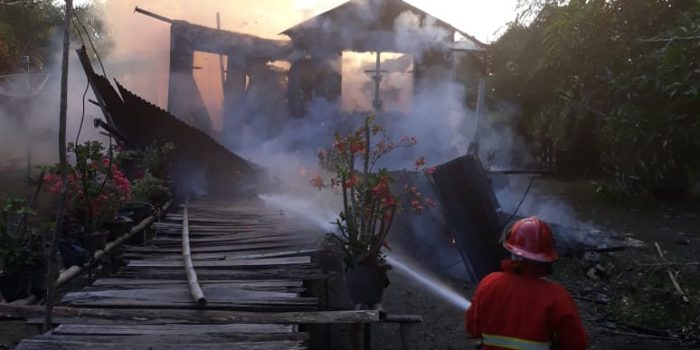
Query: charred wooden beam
224, 42
161, 316
153, 15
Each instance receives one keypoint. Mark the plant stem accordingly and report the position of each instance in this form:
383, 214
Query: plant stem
365, 177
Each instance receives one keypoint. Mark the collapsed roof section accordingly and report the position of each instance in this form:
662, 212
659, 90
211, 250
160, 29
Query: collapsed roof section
200, 165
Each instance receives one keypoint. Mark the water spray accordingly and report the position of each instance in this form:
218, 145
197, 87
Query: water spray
305, 209
433, 286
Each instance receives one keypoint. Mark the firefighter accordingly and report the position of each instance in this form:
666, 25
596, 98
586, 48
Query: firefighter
518, 308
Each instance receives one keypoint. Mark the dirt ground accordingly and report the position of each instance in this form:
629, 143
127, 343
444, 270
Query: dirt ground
634, 305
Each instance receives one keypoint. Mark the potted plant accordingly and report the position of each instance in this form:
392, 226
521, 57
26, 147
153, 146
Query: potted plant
149, 168
20, 252
97, 188
370, 200
151, 189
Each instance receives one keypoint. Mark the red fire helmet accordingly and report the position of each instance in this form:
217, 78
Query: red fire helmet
531, 238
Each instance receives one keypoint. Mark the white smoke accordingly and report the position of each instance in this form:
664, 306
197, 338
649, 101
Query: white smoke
33, 124
438, 113
414, 37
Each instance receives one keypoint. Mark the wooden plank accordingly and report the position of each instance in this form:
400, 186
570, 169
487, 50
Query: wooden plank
126, 283
223, 248
223, 263
302, 272
218, 298
161, 243
180, 295
136, 344
244, 305
248, 254
195, 316
212, 239
174, 329
221, 227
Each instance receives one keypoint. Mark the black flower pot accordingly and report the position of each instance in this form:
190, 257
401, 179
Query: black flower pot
72, 253
15, 285
118, 227
38, 280
96, 241
139, 211
366, 283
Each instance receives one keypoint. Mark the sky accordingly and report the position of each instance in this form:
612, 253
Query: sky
484, 19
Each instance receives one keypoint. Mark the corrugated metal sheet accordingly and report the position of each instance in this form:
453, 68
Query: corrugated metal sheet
142, 123
470, 210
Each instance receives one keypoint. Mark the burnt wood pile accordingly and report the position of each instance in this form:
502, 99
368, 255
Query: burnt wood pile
460, 237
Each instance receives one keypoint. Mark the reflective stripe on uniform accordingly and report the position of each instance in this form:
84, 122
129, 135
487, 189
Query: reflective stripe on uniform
514, 343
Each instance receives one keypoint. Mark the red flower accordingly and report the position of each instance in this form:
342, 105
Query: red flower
351, 181
358, 147
420, 162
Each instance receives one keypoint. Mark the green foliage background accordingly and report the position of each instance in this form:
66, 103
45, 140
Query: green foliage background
615, 83
33, 27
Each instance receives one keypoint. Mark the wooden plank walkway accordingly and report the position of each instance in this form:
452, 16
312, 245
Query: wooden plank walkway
250, 263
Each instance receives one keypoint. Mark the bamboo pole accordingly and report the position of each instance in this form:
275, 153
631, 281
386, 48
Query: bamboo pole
195, 289
75, 271
670, 274
51, 264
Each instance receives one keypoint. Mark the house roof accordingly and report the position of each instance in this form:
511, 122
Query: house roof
376, 16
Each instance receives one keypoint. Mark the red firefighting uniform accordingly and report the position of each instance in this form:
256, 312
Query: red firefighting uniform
518, 309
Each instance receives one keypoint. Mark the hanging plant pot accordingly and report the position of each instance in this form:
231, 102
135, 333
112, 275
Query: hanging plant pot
366, 282
15, 285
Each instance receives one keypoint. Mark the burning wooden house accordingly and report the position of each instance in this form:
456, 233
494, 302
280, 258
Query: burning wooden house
468, 220
278, 79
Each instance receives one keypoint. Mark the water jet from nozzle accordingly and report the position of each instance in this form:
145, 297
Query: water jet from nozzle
433, 286
305, 209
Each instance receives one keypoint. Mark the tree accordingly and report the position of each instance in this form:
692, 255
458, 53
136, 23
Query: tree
608, 75
33, 27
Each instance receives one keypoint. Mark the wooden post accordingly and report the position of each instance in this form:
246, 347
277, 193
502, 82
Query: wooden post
474, 149
367, 336
221, 57
51, 264
404, 330
355, 336
195, 289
